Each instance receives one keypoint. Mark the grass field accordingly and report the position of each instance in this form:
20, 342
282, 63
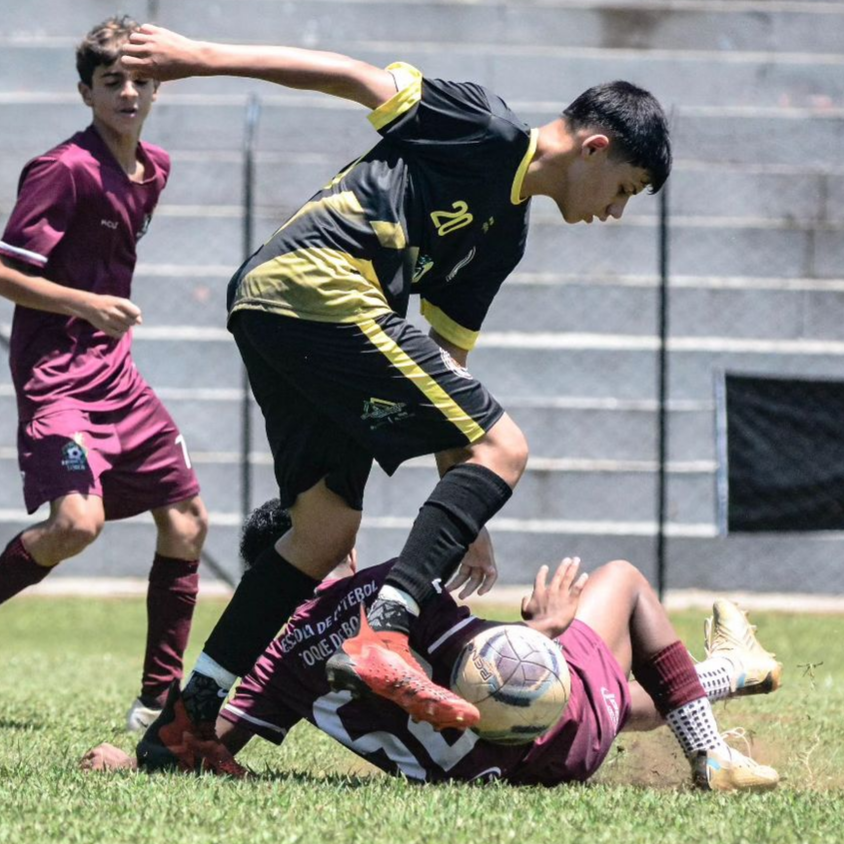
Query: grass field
69, 668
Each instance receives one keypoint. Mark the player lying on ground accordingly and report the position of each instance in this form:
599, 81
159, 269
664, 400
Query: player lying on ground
94, 441
438, 208
606, 626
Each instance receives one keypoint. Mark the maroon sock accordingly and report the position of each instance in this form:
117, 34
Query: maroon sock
669, 677
18, 570
171, 598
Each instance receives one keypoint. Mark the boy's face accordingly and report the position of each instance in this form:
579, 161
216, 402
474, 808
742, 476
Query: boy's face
119, 100
597, 186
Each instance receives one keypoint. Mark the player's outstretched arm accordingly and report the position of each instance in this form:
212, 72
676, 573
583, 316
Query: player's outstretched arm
163, 55
551, 607
112, 315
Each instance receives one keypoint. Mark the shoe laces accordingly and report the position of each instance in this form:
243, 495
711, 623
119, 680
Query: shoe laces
737, 758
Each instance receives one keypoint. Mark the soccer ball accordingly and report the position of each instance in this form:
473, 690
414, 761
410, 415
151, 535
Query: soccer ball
517, 678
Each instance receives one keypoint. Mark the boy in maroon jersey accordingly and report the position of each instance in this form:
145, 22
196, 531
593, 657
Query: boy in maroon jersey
93, 439
605, 626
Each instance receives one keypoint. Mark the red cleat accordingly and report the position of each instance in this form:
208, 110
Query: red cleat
382, 664
174, 743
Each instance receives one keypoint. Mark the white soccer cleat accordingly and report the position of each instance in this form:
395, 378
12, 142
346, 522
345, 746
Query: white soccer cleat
139, 717
728, 634
729, 770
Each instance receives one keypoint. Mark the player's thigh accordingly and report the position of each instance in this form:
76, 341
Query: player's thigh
308, 445
151, 468
77, 513
607, 604
382, 381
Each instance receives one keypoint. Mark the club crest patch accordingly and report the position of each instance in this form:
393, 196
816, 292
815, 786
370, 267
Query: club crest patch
75, 455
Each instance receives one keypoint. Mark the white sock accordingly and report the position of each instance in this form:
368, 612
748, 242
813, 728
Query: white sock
693, 724
716, 677
209, 668
399, 596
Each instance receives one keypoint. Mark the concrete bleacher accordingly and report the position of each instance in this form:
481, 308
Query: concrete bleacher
756, 96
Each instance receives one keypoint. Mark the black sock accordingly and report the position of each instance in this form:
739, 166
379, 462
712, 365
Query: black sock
203, 698
466, 497
263, 601
385, 615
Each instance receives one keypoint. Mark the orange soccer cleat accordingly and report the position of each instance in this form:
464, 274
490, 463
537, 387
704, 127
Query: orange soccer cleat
174, 743
382, 664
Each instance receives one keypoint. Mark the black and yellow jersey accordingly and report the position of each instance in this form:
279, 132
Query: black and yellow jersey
433, 209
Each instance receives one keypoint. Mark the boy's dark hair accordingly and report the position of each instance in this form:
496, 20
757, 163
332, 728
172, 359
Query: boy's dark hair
263, 526
634, 121
101, 46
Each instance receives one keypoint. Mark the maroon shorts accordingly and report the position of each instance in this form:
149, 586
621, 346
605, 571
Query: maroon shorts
134, 458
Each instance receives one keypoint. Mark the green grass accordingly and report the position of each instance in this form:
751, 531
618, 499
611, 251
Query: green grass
69, 668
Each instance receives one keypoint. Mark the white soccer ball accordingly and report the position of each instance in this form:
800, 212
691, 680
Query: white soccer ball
517, 678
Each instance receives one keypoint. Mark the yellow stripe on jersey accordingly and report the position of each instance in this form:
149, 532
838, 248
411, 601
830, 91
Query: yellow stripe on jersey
516, 190
344, 203
390, 235
325, 285
445, 326
409, 82
421, 380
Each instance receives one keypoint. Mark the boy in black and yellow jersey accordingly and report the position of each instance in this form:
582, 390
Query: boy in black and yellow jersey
439, 207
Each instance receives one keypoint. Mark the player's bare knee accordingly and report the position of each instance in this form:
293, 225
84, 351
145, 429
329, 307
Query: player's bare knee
504, 450
625, 571
73, 536
195, 523
183, 526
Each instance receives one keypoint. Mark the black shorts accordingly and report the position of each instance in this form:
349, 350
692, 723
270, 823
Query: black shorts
335, 395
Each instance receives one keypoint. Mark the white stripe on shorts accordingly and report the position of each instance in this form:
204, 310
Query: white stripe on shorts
256, 721
449, 633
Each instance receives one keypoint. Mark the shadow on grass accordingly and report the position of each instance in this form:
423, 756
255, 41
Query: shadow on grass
10, 724
305, 778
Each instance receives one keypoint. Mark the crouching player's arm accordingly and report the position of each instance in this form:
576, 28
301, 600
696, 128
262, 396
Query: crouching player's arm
551, 607
107, 757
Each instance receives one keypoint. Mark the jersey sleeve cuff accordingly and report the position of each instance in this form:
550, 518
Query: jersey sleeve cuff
409, 85
446, 327
26, 256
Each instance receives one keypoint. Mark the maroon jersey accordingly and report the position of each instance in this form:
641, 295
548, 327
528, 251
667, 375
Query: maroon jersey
288, 684
77, 220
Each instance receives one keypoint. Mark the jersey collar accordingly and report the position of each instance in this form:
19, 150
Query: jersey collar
516, 189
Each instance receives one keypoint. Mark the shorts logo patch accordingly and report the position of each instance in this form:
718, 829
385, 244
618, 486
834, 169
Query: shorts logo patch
75, 455
380, 412
447, 222
454, 366
612, 706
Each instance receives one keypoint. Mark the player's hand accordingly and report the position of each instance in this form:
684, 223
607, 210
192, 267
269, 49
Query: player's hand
551, 607
112, 315
477, 570
160, 53
106, 757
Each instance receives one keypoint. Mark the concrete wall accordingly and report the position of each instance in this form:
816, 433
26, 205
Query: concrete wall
756, 95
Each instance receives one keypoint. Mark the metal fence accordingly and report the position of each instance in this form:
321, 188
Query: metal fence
607, 342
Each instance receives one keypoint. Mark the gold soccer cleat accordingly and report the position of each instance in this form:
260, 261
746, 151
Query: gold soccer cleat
728, 634
729, 770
